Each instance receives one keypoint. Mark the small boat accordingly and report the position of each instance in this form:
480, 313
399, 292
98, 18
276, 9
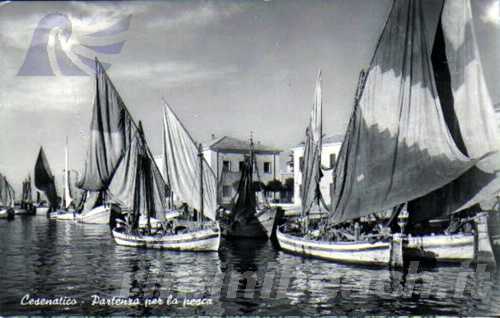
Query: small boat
183, 237
377, 253
7, 197
131, 180
247, 219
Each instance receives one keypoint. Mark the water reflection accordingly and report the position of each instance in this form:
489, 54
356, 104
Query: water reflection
53, 259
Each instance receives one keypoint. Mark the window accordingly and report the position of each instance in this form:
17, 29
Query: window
242, 165
301, 164
333, 157
226, 165
267, 167
226, 191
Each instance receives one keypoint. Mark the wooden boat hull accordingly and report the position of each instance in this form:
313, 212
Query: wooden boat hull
97, 215
379, 253
62, 215
260, 226
462, 247
441, 248
6, 214
202, 240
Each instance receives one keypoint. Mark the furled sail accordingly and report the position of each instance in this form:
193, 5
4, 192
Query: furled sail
398, 145
470, 115
311, 171
7, 195
246, 202
183, 167
44, 179
26, 194
110, 134
137, 184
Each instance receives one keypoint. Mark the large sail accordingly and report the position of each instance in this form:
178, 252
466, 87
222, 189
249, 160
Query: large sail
311, 172
246, 202
137, 184
183, 167
44, 179
110, 134
470, 115
7, 195
398, 145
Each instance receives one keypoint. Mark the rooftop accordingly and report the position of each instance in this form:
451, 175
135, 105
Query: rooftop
233, 145
332, 139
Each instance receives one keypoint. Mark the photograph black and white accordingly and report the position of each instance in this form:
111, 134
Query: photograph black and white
250, 158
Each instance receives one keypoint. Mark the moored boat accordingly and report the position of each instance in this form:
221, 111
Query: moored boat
44, 182
247, 218
204, 238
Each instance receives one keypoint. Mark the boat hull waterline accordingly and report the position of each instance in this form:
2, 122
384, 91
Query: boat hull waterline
203, 240
380, 253
260, 226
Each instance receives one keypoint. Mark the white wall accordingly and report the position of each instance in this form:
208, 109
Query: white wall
326, 181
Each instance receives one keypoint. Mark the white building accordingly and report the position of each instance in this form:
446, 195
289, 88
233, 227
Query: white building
226, 156
329, 153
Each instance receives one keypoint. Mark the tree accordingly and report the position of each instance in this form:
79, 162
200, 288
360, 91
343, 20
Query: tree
274, 186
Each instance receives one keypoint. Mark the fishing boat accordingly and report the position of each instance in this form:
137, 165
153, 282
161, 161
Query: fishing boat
25, 207
44, 182
7, 196
193, 194
248, 219
401, 155
470, 117
304, 235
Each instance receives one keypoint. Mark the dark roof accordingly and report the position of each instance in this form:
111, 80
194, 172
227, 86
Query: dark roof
230, 144
332, 139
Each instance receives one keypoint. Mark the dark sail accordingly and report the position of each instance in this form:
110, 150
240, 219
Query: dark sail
137, 184
246, 202
44, 179
110, 134
398, 146
469, 112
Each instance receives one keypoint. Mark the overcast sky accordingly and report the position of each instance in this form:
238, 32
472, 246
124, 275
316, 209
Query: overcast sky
225, 67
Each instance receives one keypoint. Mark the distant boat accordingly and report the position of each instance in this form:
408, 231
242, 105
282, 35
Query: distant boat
247, 218
66, 212
44, 182
7, 197
26, 207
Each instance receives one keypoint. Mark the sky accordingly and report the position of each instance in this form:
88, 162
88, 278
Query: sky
225, 67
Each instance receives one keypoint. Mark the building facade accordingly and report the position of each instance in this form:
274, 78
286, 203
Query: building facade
226, 156
329, 153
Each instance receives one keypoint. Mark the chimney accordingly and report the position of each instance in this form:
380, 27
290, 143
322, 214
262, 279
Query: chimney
213, 136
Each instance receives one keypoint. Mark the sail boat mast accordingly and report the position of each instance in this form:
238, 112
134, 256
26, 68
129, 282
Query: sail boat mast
200, 155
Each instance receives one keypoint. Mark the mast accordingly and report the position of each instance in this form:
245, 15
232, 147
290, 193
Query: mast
200, 154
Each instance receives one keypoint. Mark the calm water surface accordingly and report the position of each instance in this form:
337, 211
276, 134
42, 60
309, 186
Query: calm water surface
52, 259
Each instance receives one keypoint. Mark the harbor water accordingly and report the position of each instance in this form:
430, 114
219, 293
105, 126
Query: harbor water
55, 267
